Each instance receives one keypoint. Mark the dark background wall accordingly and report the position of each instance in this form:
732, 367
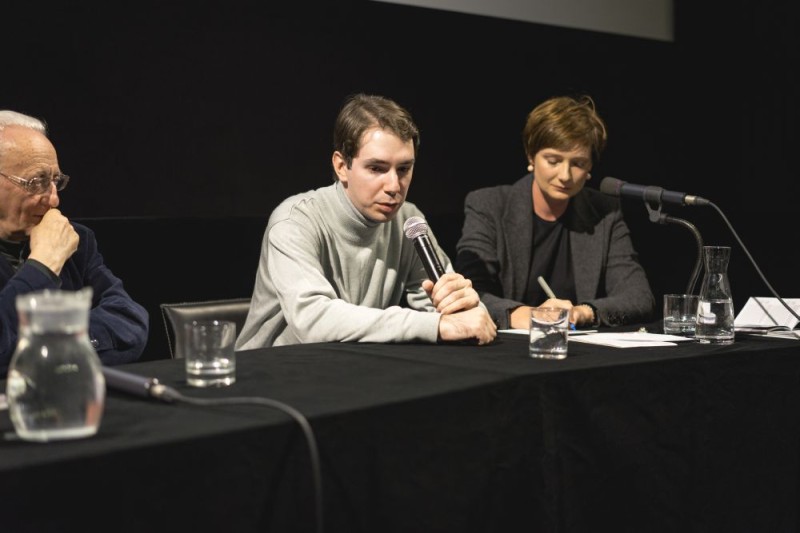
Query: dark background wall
183, 124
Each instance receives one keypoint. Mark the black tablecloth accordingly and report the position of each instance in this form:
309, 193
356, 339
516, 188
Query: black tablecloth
437, 438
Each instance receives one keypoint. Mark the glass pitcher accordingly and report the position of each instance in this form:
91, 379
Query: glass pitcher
55, 384
715, 309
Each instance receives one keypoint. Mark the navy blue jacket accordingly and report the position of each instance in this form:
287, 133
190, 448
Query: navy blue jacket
117, 325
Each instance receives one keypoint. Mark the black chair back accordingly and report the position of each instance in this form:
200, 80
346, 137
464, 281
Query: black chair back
177, 315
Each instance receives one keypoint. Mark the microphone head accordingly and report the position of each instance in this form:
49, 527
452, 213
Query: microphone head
415, 227
611, 186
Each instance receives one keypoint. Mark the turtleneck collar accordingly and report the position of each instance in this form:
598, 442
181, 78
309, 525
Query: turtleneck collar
351, 210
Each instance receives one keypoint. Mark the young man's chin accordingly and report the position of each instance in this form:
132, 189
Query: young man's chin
384, 215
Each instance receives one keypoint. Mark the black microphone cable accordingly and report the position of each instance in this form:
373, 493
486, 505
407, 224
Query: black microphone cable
750, 257
169, 394
150, 387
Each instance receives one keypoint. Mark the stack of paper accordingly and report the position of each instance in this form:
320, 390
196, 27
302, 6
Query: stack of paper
768, 316
632, 339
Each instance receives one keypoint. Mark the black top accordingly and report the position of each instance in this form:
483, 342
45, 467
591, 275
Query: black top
552, 261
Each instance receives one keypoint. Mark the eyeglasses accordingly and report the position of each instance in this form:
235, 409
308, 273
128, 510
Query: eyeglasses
39, 184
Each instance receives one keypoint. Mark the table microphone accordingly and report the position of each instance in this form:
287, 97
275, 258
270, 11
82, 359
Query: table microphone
648, 193
416, 229
136, 385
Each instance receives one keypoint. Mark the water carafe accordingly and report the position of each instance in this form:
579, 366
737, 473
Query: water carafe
55, 384
715, 309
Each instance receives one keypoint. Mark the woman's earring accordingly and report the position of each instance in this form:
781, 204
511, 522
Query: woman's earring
588, 175
530, 167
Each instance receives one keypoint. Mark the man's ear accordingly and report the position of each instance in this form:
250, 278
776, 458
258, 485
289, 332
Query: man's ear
339, 166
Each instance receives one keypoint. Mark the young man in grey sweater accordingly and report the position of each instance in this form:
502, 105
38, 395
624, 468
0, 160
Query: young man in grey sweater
335, 263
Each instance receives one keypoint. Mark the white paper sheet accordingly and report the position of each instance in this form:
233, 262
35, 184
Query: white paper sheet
760, 312
791, 334
572, 332
632, 339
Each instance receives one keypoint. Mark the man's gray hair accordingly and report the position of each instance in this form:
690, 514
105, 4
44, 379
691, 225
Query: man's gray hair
12, 118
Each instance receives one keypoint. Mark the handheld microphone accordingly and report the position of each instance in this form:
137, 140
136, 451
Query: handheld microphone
649, 193
135, 384
416, 229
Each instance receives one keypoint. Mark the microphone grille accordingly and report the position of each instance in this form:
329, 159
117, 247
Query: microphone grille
611, 186
415, 227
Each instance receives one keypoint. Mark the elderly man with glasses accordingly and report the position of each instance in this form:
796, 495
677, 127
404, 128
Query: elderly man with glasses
41, 249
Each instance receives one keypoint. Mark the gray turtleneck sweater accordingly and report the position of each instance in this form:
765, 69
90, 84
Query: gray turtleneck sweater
328, 274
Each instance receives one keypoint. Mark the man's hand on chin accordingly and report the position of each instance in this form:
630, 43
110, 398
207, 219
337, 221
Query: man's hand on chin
53, 241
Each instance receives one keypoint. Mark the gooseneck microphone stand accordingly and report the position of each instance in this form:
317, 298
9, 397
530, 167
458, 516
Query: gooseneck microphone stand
615, 187
657, 216
661, 218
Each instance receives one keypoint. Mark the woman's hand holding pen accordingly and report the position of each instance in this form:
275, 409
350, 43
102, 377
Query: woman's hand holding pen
579, 315
574, 313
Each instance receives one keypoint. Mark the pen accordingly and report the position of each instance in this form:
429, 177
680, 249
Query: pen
550, 294
545, 287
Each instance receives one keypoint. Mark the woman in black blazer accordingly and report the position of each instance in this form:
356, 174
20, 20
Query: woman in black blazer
547, 224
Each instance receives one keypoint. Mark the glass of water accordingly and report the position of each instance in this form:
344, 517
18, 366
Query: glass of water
680, 314
210, 359
549, 332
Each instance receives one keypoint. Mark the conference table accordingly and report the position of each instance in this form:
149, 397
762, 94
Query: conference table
436, 438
